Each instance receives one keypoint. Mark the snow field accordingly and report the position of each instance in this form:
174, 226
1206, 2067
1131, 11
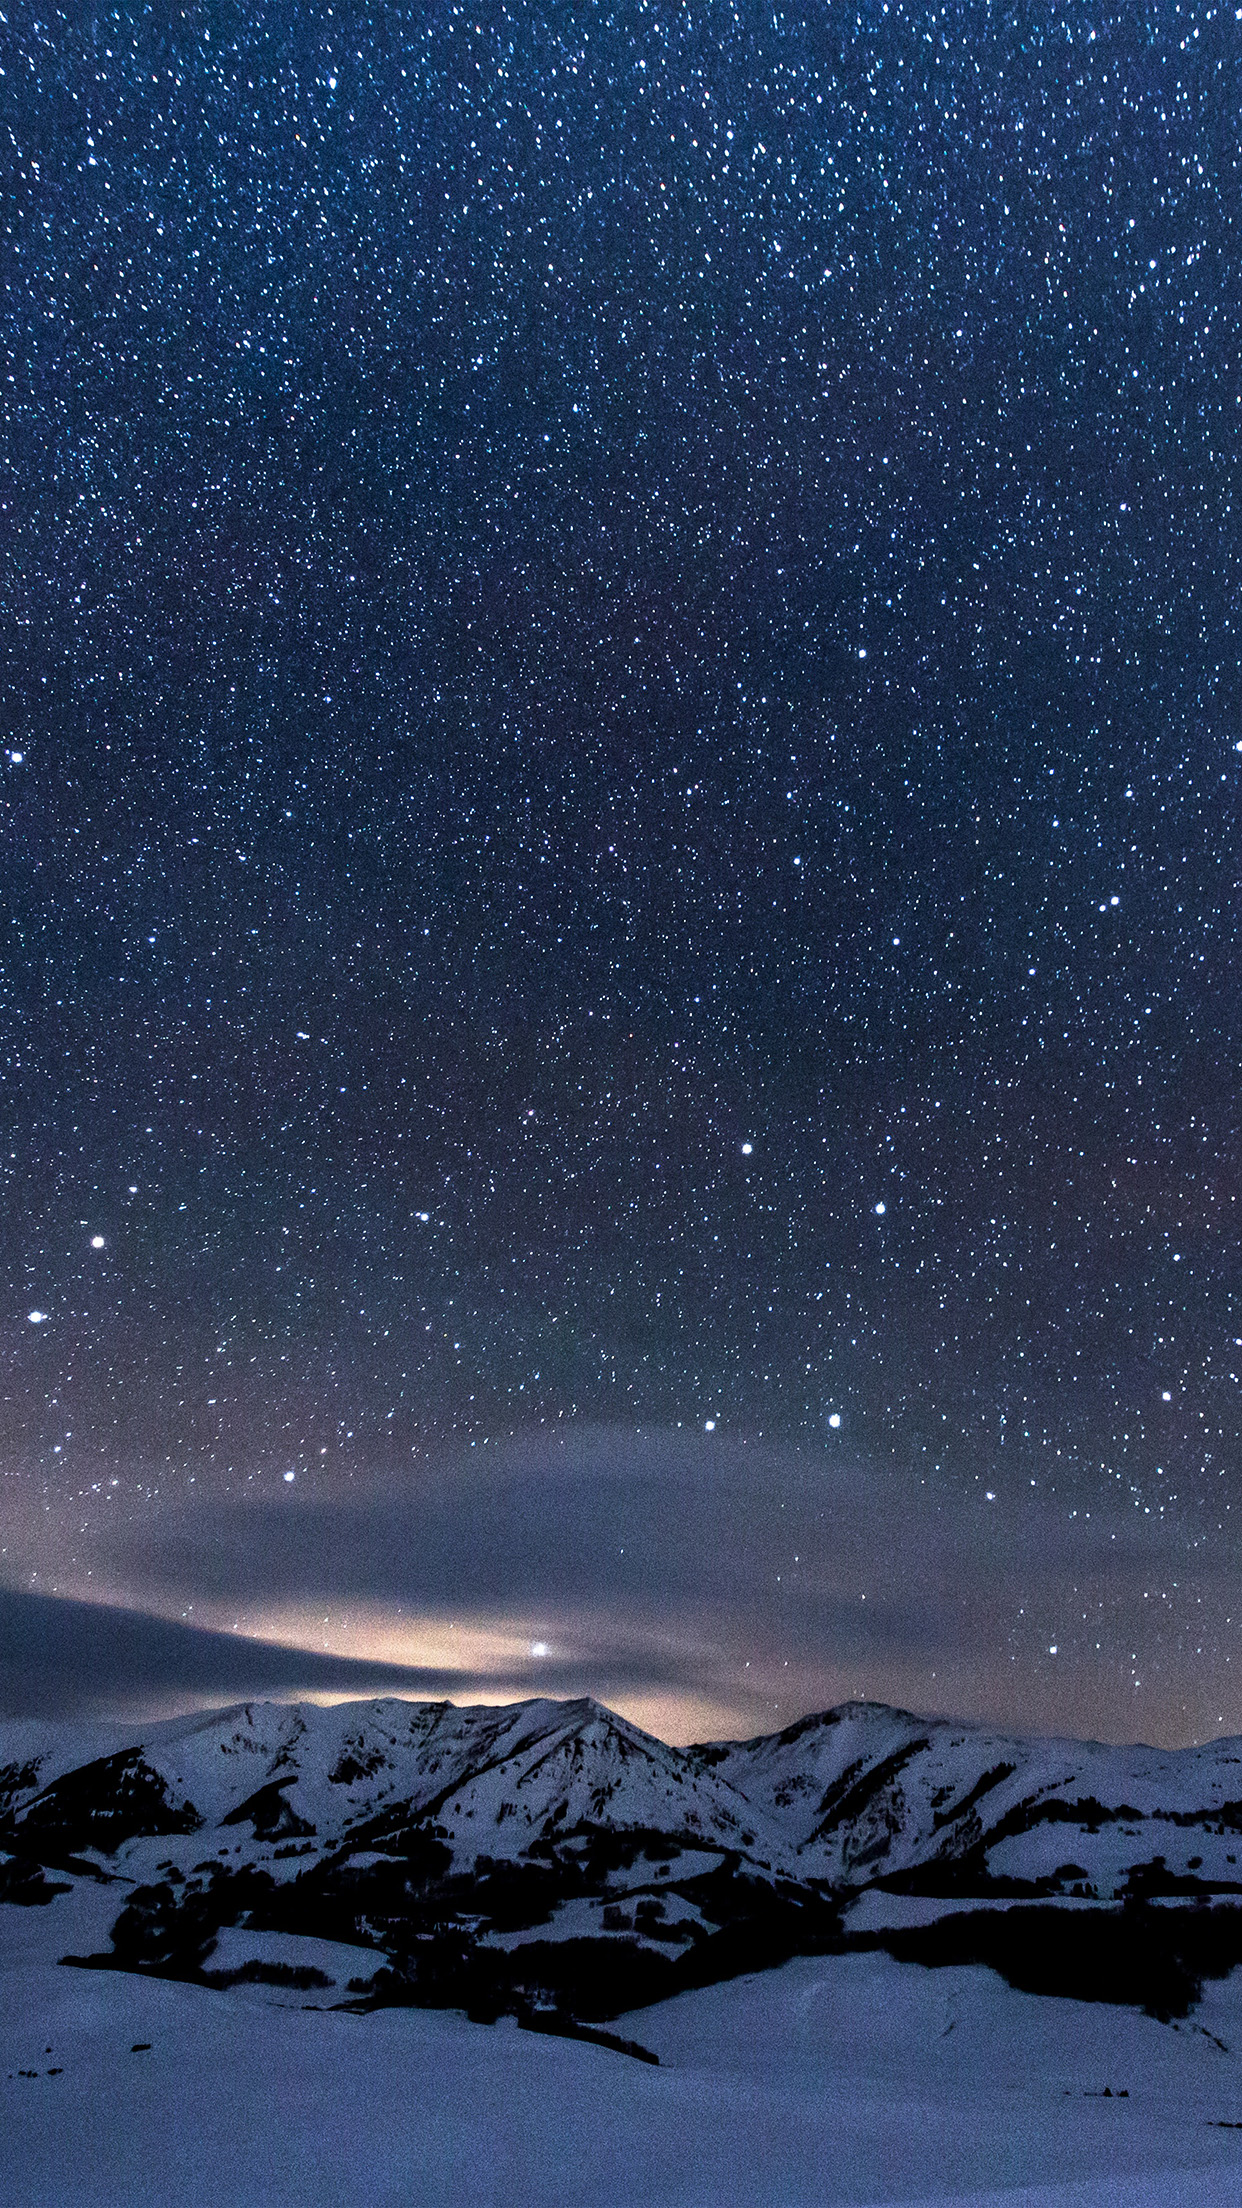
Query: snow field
849, 2080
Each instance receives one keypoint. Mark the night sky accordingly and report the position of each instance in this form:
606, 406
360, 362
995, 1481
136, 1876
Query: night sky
620, 1011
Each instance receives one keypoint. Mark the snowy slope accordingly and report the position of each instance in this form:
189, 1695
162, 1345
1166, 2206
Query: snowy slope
551, 1856
864, 1792
823, 2085
546, 1855
284, 1894
491, 1779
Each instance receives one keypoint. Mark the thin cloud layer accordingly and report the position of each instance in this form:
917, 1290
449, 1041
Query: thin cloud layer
704, 1585
65, 1659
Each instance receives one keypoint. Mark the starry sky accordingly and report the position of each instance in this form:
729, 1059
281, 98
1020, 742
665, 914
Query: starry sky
619, 1012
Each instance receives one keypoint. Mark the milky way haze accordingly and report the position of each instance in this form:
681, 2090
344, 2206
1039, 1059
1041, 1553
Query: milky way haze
620, 657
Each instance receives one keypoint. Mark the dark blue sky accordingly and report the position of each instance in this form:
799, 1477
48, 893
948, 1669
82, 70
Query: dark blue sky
621, 680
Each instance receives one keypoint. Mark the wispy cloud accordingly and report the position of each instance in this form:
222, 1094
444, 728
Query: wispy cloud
702, 1584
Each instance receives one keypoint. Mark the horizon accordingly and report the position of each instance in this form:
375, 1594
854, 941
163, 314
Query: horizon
135, 1721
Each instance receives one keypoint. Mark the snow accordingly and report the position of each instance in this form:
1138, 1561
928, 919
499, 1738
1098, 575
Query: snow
859, 1792
583, 1918
845, 2080
902, 1789
336, 1959
506, 1769
877, 1911
830, 2083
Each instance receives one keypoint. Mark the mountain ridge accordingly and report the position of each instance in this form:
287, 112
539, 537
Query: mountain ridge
552, 1857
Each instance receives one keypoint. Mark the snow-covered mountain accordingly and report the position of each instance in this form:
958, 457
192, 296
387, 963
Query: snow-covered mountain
865, 1793
552, 1855
485, 1780
544, 1854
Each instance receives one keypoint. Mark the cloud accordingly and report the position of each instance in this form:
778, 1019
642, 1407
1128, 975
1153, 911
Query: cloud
61, 1658
605, 1518
703, 1584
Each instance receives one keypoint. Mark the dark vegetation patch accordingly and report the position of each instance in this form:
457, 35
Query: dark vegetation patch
600, 1852
101, 1805
169, 1931
583, 1980
26, 1882
1147, 1881
982, 1786
349, 1768
1148, 1958
966, 1877
15, 1779
567, 2027
593, 1979
302, 1977
1225, 1817
1085, 1811
426, 1923
269, 1815
426, 1929
396, 1831
856, 1788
